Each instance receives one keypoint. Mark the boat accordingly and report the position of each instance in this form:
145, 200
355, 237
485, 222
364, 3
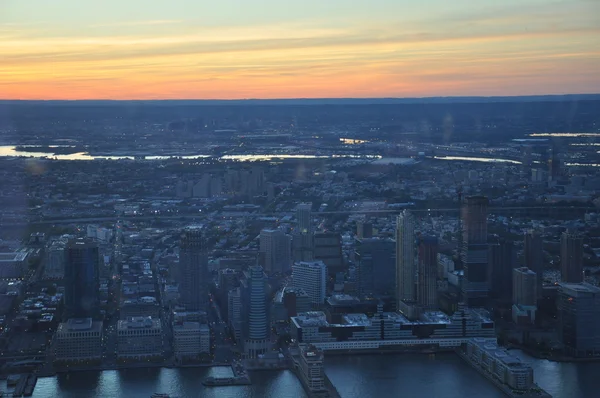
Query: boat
160, 395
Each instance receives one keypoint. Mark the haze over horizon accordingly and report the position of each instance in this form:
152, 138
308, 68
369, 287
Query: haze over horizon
70, 50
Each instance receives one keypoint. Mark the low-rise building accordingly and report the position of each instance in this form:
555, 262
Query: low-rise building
141, 307
78, 340
139, 338
500, 364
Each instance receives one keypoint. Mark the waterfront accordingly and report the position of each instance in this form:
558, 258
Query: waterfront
442, 375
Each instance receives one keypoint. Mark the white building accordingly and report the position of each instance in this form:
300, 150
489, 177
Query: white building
78, 339
139, 338
312, 278
190, 339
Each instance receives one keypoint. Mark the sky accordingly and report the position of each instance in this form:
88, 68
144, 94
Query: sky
226, 49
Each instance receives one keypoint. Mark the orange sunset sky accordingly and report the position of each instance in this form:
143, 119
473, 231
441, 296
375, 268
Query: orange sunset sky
133, 49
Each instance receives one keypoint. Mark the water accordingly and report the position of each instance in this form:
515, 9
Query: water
8, 150
441, 376
476, 159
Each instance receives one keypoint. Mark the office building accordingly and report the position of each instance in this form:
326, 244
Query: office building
78, 340
190, 339
376, 267
579, 319
227, 280
139, 338
145, 306
255, 312
383, 329
524, 295
311, 368
505, 368
427, 273
82, 279
302, 239
13, 265
364, 230
475, 284
289, 302
571, 257
275, 248
234, 314
54, 268
405, 257
328, 248
193, 276
533, 254
312, 278
502, 259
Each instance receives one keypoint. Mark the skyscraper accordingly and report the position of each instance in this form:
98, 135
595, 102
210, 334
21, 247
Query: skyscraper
328, 248
427, 271
571, 257
364, 229
82, 279
255, 314
376, 266
579, 318
303, 244
524, 290
502, 259
475, 285
534, 256
312, 278
193, 275
275, 247
405, 257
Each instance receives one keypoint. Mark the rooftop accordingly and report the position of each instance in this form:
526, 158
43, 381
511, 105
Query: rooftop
10, 257
580, 287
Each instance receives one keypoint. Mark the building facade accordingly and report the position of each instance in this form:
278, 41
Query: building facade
405, 258
533, 254
139, 338
275, 248
571, 257
312, 278
427, 291
474, 256
376, 267
579, 319
78, 340
190, 339
193, 275
82, 279
255, 312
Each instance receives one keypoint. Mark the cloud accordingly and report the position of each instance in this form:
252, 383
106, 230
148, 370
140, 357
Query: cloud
138, 23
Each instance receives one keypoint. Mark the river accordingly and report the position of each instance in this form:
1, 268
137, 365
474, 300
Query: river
439, 376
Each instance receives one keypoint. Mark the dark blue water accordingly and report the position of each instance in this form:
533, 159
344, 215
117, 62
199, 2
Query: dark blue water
443, 376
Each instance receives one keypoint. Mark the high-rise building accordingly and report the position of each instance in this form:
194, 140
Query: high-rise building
579, 318
302, 238
534, 256
364, 230
553, 163
55, 261
275, 247
427, 271
405, 257
328, 248
524, 290
475, 285
255, 312
376, 267
82, 279
312, 278
502, 259
234, 314
571, 257
78, 339
193, 275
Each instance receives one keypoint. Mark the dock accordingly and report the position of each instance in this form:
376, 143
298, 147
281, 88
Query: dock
25, 385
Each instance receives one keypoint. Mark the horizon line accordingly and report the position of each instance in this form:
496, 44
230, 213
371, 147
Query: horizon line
4, 100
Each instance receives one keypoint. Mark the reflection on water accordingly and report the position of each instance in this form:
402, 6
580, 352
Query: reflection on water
565, 135
476, 159
11, 151
180, 383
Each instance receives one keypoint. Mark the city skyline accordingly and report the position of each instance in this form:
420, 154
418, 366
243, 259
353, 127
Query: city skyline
194, 50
